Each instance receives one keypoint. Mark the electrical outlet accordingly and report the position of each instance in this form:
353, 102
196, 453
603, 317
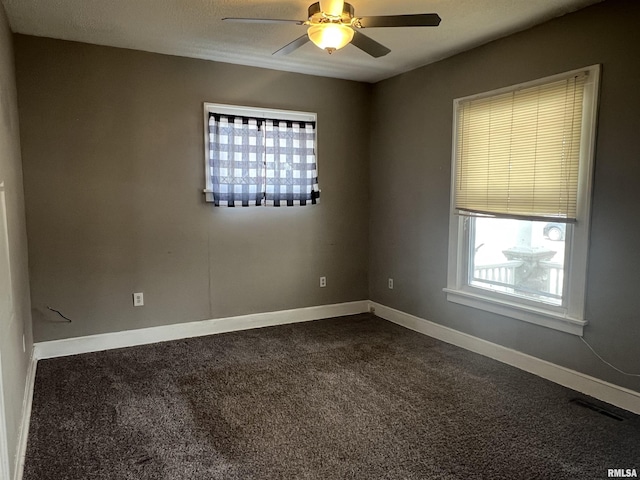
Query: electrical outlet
391, 284
138, 299
323, 282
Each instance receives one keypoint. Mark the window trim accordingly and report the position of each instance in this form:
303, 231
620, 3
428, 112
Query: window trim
247, 111
570, 317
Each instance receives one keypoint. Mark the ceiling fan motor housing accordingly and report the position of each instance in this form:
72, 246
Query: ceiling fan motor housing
316, 15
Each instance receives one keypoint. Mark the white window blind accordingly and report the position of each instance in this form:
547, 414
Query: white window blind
518, 153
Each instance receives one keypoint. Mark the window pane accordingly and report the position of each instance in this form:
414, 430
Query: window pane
518, 257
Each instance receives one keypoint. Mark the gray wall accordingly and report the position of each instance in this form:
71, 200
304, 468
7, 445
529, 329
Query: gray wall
112, 149
410, 185
15, 313
114, 171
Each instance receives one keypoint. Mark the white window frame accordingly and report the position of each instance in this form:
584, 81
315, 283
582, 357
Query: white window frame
253, 112
570, 317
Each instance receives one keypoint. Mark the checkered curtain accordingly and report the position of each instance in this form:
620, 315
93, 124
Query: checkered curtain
290, 160
262, 161
236, 160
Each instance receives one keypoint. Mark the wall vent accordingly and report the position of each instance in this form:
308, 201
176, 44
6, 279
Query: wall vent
596, 408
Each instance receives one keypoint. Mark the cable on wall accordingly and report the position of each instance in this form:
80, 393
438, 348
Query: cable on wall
59, 313
607, 363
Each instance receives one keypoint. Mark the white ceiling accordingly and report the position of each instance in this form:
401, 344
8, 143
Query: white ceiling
193, 28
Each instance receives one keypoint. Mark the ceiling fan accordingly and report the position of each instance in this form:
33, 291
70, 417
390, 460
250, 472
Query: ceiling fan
332, 25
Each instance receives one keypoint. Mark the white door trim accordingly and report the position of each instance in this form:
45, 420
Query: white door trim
26, 418
4, 444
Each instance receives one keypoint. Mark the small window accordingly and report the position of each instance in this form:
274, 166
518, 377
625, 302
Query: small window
521, 187
259, 157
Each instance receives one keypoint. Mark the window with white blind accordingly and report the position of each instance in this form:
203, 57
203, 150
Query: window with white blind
520, 197
259, 157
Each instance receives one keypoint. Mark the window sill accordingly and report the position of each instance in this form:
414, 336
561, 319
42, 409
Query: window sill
512, 309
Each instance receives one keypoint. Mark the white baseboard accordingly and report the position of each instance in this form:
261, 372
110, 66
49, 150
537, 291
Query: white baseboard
26, 417
607, 392
130, 338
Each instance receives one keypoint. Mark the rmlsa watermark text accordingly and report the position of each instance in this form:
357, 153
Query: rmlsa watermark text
622, 473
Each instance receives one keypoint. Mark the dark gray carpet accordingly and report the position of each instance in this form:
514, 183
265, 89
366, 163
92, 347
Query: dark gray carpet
353, 397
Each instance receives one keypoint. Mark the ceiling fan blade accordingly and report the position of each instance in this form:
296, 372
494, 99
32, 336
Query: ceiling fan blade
297, 43
262, 20
417, 20
369, 45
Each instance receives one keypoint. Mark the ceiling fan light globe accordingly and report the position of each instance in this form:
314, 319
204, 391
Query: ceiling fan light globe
330, 36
